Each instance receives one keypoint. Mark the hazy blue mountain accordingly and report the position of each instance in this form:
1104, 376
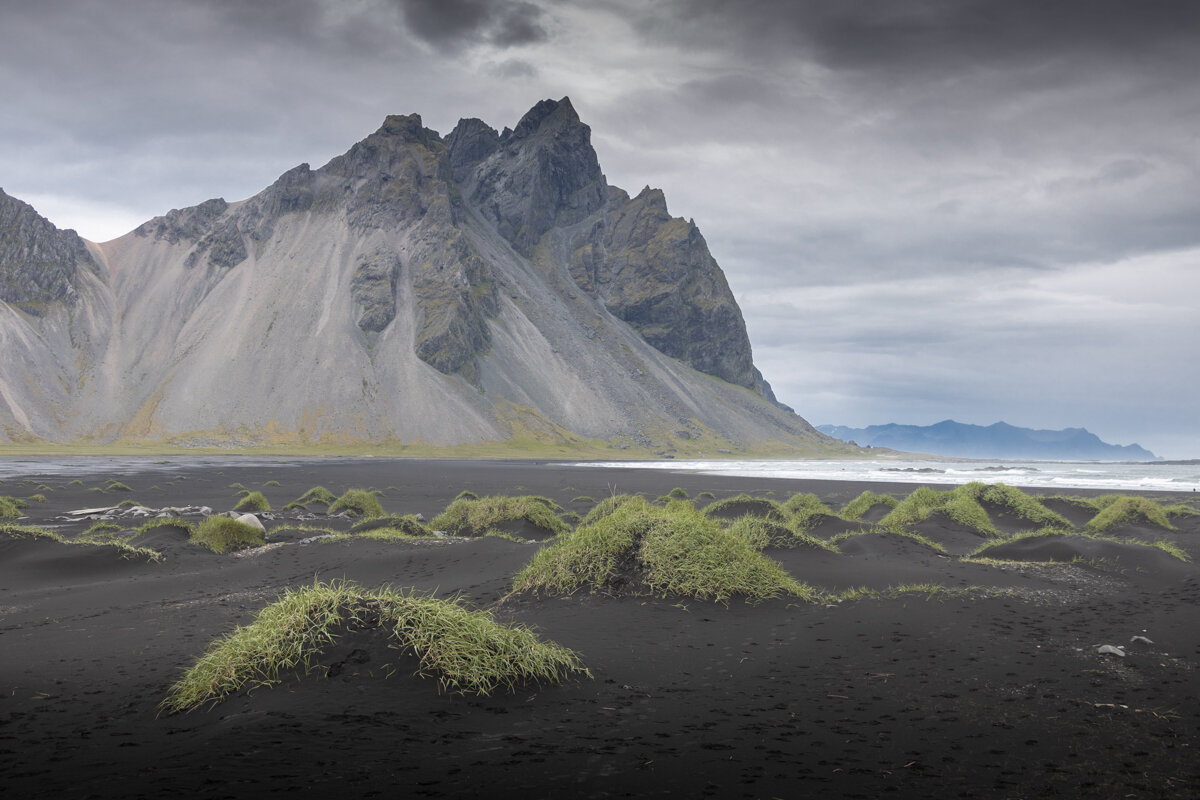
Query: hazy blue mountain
1001, 440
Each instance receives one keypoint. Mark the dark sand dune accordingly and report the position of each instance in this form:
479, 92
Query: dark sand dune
983, 696
1074, 513
876, 513
830, 526
1141, 563
958, 539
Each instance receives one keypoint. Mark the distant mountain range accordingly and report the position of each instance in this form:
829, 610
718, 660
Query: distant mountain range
950, 438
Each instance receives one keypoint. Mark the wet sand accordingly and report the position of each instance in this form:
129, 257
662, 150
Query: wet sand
978, 696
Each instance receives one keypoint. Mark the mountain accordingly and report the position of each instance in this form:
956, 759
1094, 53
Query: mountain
1001, 440
479, 287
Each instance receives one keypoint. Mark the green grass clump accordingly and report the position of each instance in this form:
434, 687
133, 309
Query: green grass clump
678, 493
742, 504
357, 503
10, 506
804, 512
466, 517
103, 533
466, 494
466, 650
1180, 510
165, 522
222, 534
860, 505
583, 498
37, 498
607, 506
253, 501
391, 527
958, 504
317, 494
117, 486
1126, 510
16, 531
1017, 503
675, 550
98, 538
272, 483
762, 533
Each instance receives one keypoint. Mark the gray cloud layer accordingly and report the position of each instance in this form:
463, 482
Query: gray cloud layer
970, 208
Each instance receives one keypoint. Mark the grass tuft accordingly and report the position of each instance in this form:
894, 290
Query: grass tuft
357, 503
466, 650
253, 501
672, 551
860, 505
317, 494
222, 534
478, 517
100, 538
392, 527
742, 504
10, 507
1126, 510
958, 504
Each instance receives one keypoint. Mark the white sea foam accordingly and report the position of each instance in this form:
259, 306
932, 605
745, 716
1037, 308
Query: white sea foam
1032, 474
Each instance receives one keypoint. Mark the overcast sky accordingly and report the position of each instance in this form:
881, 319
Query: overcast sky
979, 210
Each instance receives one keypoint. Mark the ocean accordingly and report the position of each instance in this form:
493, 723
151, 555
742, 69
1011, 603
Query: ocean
1048, 476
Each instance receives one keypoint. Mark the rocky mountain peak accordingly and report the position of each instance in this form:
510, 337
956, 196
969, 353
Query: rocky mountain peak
547, 117
543, 174
407, 127
471, 141
37, 260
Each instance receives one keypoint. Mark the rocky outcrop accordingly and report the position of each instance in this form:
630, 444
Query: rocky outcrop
374, 289
540, 175
656, 273
37, 260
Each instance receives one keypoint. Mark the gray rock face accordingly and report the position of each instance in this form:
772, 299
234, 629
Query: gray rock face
374, 288
655, 272
541, 175
415, 289
37, 260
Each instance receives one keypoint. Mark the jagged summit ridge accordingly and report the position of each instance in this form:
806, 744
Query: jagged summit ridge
413, 289
37, 260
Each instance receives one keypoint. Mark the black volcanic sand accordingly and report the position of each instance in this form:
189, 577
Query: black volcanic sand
1001, 696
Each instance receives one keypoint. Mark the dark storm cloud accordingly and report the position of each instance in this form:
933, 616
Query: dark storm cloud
454, 22
905, 39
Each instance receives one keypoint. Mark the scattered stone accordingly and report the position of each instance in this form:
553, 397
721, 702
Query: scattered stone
250, 519
1108, 649
1139, 640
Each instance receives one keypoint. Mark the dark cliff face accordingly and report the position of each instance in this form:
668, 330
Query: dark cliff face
38, 261
648, 269
655, 272
541, 175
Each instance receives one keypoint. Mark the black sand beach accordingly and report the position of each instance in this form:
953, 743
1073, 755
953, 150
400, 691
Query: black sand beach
983, 695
